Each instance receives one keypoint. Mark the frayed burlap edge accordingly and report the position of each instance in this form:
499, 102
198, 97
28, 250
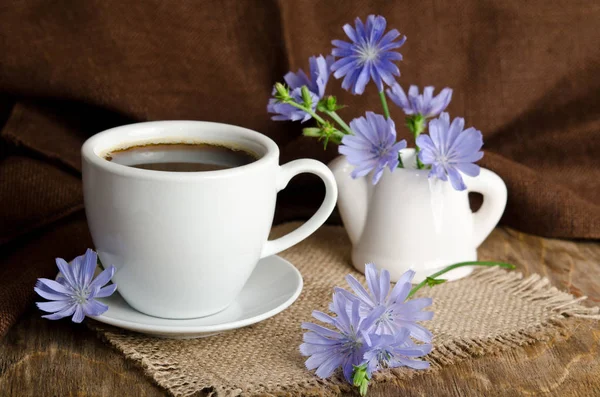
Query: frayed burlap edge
531, 288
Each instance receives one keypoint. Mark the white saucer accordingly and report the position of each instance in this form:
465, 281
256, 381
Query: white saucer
273, 286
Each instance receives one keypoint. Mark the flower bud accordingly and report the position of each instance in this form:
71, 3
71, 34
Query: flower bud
331, 103
313, 132
282, 92
306, 97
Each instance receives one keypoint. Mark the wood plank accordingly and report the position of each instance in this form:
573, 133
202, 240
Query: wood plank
43, 358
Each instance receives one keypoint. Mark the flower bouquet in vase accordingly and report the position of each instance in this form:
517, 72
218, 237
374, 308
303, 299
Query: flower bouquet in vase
403, 208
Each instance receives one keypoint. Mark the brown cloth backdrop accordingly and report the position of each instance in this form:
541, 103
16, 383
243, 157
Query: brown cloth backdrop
524, 73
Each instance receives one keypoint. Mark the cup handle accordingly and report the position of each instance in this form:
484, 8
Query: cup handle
494, 192
287, 172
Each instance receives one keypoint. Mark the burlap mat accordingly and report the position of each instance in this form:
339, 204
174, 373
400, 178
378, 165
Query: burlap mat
491, 310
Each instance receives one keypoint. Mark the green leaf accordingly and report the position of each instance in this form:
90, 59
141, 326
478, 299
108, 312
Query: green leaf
432, 282
361, 379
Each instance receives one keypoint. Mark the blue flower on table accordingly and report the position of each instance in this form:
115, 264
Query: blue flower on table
398, 312
74, 293
392, 351
344, 347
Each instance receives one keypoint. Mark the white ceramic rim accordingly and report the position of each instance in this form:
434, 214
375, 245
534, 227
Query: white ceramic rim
102, 142
175, 330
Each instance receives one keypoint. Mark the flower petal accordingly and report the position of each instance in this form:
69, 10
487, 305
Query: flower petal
342, 44
360, 291
384, 285
315, 339
418, 304
55, 286
340, 304
440, 102
468, 169
377, 174
436, 129
373, 316
78, 316
350, 32
48, 293
398, 96
67, 271
417, 331
466, 143
356, 156
454, 131
373, 281
63, 313
350, 78
401, 361
328, 366
343, 66
379, 24
54, 306
388, 70
377, 78
362, 80
90, 261
455, 179
355, 142
295, 80
363, 169
319, 329
94, 308
388, 38
106, 291
322, 317
103, 277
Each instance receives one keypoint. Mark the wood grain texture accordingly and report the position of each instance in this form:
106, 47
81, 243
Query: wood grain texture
43, 358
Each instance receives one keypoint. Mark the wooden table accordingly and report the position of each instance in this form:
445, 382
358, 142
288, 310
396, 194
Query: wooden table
44, 358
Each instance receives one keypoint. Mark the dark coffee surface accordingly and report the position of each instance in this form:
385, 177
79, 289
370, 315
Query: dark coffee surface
181, 157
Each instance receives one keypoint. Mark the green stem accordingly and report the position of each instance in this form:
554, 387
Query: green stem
416, 125
309, 111
386, 110
419, 129
339, 120
419, 163
457, 265
400, 163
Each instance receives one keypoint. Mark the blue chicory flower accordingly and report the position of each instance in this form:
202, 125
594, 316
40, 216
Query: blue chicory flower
373, 147
426, 104
345, 347
368, 56
74, 292
285, 111
450, 150
398, 313
316, 83
392, 351
320, 69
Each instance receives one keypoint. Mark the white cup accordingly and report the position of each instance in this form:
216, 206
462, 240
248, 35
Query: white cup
185, 243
